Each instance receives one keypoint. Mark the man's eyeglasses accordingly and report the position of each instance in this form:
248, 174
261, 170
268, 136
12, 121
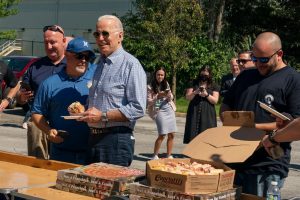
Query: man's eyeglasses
80, 56
54, 28
263, 59
97, 34
242, 61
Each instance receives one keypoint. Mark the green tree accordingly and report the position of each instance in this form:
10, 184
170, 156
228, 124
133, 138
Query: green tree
6, 9
159, 31
245, 19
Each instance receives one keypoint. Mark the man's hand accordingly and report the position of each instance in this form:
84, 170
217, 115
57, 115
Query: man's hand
4, 103
266, 142
53, 136
92, 115
280, 123
24, 96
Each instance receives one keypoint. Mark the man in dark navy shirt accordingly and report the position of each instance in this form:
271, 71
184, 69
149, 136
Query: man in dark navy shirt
55, 43
11, 81
228, 79
278, 85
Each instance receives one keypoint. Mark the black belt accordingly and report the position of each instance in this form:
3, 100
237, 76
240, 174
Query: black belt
115, 129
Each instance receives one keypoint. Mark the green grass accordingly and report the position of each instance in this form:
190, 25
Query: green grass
182, 105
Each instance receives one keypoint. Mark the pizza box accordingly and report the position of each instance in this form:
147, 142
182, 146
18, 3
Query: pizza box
97, 179
192, 184
142, 190
233, 142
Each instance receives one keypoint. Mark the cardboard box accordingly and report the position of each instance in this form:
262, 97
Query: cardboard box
193, 184
233, 142
80, 180
143, 191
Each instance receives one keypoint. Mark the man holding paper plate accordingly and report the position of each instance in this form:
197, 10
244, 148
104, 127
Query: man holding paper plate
69, 138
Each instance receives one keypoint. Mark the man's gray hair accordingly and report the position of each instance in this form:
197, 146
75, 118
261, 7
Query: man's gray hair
118, 24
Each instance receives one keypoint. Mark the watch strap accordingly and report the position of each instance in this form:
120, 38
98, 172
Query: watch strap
104, 117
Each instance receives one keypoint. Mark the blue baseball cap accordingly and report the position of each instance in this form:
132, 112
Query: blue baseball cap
78, 45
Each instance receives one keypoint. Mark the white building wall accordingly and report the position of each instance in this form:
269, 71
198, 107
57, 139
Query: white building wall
77, 17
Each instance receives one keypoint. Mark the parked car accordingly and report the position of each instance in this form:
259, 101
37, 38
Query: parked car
19, 65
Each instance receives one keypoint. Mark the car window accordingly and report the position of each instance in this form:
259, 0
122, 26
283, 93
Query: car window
16, 64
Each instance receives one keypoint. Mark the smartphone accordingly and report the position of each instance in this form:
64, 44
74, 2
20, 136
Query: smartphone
25, 86
63, 134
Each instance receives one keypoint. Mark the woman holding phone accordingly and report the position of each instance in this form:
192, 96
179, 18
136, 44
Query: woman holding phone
203, 95
161, 108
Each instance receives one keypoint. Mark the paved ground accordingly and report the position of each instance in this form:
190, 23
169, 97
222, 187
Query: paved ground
13, 139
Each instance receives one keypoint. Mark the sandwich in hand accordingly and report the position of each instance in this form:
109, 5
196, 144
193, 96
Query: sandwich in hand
76, 108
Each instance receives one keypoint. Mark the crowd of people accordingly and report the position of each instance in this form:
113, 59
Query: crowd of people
115, 95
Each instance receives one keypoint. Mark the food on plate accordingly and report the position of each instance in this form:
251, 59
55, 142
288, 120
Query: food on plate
187, 168
76, 108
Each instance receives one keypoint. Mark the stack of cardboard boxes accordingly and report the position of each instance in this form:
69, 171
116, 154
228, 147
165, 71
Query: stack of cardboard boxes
234, 142
94, 180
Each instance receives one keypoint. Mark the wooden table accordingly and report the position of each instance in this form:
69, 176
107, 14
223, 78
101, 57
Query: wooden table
20, 176
48, 193
19, 171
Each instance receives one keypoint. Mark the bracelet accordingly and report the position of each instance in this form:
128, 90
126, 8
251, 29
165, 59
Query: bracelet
271, 138
10, 100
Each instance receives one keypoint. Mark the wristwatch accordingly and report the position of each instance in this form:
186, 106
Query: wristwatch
104, 117
271, 138
10, 100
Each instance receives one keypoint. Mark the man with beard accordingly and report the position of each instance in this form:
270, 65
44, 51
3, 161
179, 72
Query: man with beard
277, 85
55, 95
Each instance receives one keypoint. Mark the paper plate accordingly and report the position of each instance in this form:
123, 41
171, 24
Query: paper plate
72, 117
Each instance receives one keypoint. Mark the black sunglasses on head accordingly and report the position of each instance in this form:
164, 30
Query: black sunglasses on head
263, 59
54, 28
80, 56
103, 33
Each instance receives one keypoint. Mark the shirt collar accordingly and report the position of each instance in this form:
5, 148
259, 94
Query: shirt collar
62, 62
65, 77
112, 58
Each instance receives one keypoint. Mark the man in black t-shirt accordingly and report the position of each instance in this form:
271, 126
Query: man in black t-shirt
277, 85
11, 81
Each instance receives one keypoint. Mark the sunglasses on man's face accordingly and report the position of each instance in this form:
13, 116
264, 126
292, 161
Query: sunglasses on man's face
242, 61
97, 34
80, 56
263, 59
54, 28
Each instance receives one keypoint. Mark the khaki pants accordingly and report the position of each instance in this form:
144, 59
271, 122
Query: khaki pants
37, 142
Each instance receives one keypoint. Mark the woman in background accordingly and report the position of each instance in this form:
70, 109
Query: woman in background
203, 95
161, 108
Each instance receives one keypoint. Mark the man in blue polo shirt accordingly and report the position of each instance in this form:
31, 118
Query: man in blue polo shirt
54, 96
55, 44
